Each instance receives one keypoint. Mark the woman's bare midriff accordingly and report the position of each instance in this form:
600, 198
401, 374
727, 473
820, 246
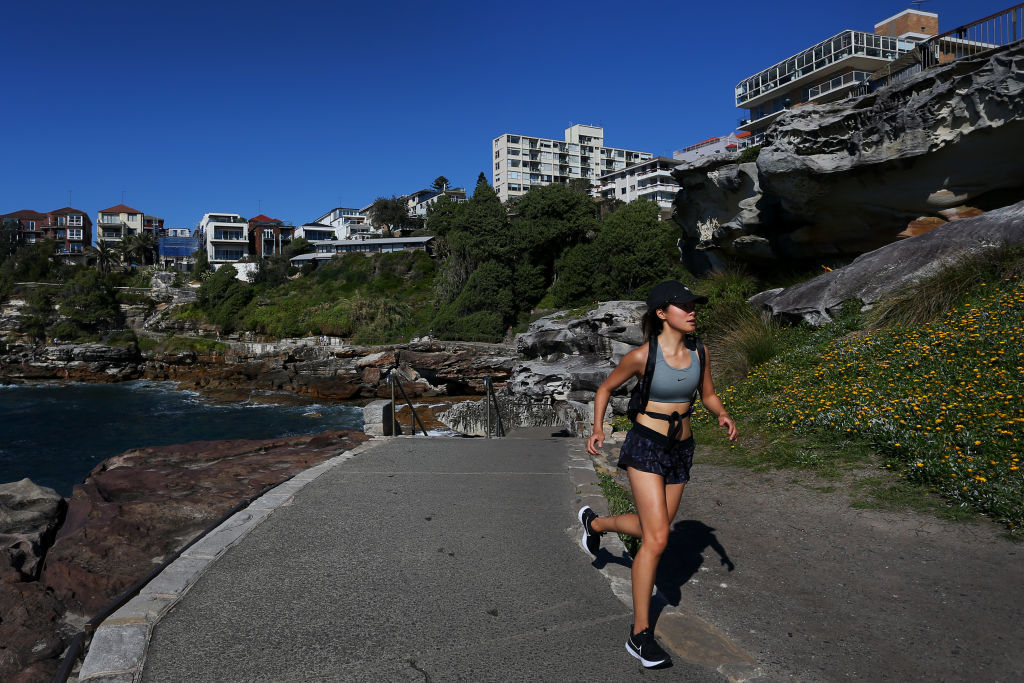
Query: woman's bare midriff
661, 426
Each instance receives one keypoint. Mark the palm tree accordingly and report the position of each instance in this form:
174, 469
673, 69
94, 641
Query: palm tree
140, 248
103, 255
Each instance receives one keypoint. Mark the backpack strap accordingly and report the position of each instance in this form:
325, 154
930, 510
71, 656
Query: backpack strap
652, 357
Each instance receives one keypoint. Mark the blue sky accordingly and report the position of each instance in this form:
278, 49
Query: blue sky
291, 109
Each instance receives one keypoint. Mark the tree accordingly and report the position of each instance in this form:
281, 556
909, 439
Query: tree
10, 237
88, 302
581, 185
202, 265
440, 183
103, 256
548, 221
389, 214
223, 296
632, 250
140, 248
38, 313
481, 179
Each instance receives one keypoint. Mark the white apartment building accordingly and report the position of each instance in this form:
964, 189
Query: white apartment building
522, 161
227, 237
349, 223
651, 179
317, 232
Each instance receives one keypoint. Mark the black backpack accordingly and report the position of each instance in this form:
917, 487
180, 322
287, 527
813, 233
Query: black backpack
641, 393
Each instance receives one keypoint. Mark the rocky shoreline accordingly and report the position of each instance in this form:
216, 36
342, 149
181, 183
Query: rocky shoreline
236, 370
64, 560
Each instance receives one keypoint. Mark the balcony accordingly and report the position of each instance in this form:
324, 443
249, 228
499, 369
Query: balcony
229, 236
847, 49
110, 220
851, 78
111, 234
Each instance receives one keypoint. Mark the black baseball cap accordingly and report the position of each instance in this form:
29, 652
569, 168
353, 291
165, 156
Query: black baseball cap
672, 292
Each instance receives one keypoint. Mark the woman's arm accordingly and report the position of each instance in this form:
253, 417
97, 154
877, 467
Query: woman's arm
632, 364
711, 401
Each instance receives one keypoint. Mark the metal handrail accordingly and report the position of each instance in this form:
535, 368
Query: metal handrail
490, 397
394, 418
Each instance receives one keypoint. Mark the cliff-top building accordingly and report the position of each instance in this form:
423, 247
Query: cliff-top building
226, 236
69, 228
831, 69
523, 161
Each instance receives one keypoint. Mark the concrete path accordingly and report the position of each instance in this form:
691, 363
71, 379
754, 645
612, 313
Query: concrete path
421, 560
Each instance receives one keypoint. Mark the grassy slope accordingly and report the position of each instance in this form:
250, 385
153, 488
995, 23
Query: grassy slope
935, 403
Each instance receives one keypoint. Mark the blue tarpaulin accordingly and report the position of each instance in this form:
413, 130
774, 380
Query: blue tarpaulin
177, 247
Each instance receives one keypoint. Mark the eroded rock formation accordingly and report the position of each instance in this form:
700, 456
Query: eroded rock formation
836, 180
876, 274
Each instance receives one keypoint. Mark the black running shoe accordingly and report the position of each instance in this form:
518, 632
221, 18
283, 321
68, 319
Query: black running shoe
591, 540
643, 646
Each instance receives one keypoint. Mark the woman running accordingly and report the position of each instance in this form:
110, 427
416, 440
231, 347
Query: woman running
658, 451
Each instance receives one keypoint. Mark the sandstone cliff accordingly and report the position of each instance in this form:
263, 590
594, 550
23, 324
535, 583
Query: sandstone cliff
836, 180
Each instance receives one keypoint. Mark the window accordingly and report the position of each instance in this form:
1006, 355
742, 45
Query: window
30, 225
74, 234
513, 187
60, 234
513, 152
496, 153
497, 179
75, 219
622, 191
60, 220
75, 248
513, 139
513, 175
514, 163
497, 166
545, 156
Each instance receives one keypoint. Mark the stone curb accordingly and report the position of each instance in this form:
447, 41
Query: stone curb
687, 635
118, 649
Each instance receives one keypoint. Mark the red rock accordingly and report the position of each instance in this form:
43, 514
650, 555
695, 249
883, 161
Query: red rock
920, 226
134, 511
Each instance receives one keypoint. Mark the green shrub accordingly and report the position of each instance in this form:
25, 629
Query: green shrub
750, 154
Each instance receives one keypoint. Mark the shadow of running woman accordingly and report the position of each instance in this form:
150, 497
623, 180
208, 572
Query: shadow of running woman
684, 556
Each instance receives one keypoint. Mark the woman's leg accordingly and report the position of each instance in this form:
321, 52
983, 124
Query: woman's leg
653, 502
629, 523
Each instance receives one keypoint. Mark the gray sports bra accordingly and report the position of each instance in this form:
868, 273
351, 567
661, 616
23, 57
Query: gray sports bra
671, 385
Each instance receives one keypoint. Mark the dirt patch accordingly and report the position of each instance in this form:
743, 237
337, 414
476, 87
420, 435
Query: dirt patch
785, 565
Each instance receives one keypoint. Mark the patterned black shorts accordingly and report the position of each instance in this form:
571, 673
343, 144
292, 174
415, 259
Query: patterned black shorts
645, 449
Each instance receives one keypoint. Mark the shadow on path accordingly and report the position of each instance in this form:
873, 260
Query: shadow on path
684, 556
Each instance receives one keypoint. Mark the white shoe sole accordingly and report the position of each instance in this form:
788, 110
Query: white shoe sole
648, 664
583, 538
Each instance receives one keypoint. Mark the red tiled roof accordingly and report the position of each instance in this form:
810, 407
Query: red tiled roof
27, 214
120, 208
263, 219
66, 210
744, 134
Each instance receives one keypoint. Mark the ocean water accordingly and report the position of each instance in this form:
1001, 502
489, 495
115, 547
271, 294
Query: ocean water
54, 434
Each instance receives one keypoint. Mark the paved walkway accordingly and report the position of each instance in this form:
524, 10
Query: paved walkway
418, 559
458, 559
